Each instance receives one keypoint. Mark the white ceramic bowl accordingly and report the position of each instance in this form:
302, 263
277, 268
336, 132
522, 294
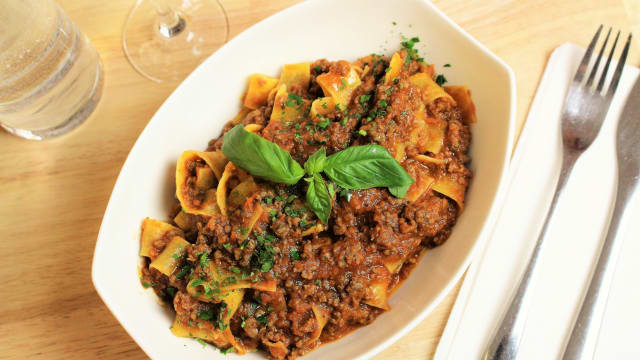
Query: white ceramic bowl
210, 96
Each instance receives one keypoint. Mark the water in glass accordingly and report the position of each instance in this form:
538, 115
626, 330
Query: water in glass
50, 74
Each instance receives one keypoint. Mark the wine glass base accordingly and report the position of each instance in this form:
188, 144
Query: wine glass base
167, 57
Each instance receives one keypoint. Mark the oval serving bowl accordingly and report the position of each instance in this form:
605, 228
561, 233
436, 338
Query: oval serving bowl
210, 96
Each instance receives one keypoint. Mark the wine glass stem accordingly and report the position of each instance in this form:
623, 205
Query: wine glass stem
170, 23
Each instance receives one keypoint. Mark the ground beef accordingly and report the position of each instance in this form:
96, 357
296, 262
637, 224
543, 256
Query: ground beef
371, 237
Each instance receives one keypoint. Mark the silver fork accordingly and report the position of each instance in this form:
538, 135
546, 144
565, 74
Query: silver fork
582, 116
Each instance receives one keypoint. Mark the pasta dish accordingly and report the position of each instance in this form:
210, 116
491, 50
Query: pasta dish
295, 226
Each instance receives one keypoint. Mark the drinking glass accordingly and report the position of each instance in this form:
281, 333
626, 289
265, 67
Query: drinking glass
164, 40
50, 74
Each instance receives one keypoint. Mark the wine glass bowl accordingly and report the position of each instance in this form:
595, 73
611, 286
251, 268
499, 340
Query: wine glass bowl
164, 40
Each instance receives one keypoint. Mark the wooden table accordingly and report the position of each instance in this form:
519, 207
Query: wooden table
53, 194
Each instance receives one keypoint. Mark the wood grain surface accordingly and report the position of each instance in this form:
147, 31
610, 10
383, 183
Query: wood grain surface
53, 194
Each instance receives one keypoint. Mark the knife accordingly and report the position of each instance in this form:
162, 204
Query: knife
582, 341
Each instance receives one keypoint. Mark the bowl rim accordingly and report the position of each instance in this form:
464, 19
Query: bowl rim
477, 246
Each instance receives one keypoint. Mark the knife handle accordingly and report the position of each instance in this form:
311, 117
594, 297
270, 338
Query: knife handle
582, 341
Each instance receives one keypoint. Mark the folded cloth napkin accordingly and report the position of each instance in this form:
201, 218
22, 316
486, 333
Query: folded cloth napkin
573, 240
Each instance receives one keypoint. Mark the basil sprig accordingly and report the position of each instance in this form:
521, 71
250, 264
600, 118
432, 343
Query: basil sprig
260, 157
355, 168
318, 198
367, 166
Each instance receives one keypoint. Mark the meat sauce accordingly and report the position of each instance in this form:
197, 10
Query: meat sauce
335, 267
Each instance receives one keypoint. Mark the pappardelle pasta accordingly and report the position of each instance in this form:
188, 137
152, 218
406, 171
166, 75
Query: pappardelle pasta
295, 227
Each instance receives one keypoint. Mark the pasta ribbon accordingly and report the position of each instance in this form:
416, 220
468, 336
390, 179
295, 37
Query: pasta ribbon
204, 178
462, 96
185, 221
153, 230
451, 189
317, 228
197, 200
322, 106
221, 284
233, 302
322, 317
376, 294
287, 107
207, 333
423, 183
277, 349
395, 66
339, 87
427, 132
429, 160
240, 116
253, 128
258, 90
249, 223
242, 192
170, 257
221, 191
430, 89
296, 75
393, 264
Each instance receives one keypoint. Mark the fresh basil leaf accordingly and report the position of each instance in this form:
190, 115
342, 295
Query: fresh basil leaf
315, 162
399, 191
318, 199
260, 157
332, 190
367, 166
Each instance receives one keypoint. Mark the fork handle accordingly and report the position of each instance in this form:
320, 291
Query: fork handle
582, 341
504, 344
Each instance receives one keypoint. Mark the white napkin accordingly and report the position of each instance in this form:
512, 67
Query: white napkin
574, 238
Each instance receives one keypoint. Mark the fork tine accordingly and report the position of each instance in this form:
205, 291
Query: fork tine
603, 76
597, 64
616, 75
587, 56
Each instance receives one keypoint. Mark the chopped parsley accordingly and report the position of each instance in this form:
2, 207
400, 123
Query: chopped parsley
226, 246
294, 254
324, 124
264, 252
440, 79
447, 65
184, 271
235, 270
263, 319
203, 259
364, 99
171, 291
317, 68
293, 100
205, 314
344, 84
412, 54
202, 342
225, 351
292, 212
362, 132
197, 282
394, 23
273, 213
146, 284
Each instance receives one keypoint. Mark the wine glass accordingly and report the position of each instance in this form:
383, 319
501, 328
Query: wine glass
164, 40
